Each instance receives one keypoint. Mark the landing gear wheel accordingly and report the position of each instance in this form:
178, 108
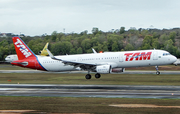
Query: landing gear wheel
157, 72
97, 75
88, 76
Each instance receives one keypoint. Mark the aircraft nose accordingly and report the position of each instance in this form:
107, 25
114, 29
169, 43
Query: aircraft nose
6, 58
174, 59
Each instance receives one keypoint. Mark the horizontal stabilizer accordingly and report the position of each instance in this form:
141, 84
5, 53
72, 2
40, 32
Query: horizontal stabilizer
21, 63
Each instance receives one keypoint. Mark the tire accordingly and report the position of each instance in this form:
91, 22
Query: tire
157, 72
88, 76
97, 75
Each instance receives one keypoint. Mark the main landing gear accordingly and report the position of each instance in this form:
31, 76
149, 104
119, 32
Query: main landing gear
157, 70
97, 75
88, 76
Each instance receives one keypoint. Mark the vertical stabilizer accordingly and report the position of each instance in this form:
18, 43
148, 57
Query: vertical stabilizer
22, 50
44, 51
46, 46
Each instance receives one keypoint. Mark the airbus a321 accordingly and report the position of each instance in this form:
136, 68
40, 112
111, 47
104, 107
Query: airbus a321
101, 63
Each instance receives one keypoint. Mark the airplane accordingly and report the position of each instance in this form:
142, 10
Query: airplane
101, 63
44, 51
11, 58
14, 57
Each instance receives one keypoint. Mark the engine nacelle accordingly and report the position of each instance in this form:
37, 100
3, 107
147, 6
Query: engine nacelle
43, 53
39, 52
116, 70
103, 69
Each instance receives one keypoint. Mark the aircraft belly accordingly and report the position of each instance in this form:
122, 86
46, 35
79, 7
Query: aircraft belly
135, 64
58, 67
55, 66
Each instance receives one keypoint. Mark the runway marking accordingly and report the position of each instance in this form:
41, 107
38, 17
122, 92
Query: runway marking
30, 111
16, 111
141, 106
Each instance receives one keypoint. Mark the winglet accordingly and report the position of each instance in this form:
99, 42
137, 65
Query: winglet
44, 51
50, 54
46, 46
94, 51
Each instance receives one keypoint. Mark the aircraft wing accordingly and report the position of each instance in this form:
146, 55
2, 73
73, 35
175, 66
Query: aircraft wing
82, 65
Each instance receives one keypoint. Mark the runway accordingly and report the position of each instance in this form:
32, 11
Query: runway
101, 91
85, 72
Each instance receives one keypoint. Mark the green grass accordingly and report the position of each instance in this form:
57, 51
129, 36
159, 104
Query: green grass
11, 67
150, 68
109, 79
87, 105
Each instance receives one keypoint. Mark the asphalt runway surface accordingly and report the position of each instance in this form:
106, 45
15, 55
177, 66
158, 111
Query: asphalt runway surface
101, 91
104, 91
85, 72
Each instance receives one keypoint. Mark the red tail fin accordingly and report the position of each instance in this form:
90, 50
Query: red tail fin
22, 50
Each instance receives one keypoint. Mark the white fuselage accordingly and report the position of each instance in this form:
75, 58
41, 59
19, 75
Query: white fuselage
115, 59
11, 58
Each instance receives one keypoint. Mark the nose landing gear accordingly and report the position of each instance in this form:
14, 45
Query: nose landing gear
157, 70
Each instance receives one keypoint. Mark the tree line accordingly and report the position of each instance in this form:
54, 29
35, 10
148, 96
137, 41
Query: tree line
114, 40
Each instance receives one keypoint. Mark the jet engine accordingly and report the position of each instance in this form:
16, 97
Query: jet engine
103, 69
39, 52
43, 53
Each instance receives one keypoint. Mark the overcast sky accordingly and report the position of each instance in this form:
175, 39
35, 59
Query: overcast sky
37, 17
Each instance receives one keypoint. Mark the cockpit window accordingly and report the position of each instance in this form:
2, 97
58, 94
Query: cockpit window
166, 54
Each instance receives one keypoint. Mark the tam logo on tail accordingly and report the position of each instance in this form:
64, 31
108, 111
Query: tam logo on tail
22, 49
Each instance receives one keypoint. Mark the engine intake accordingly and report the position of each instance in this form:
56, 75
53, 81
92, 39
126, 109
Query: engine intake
39, 52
